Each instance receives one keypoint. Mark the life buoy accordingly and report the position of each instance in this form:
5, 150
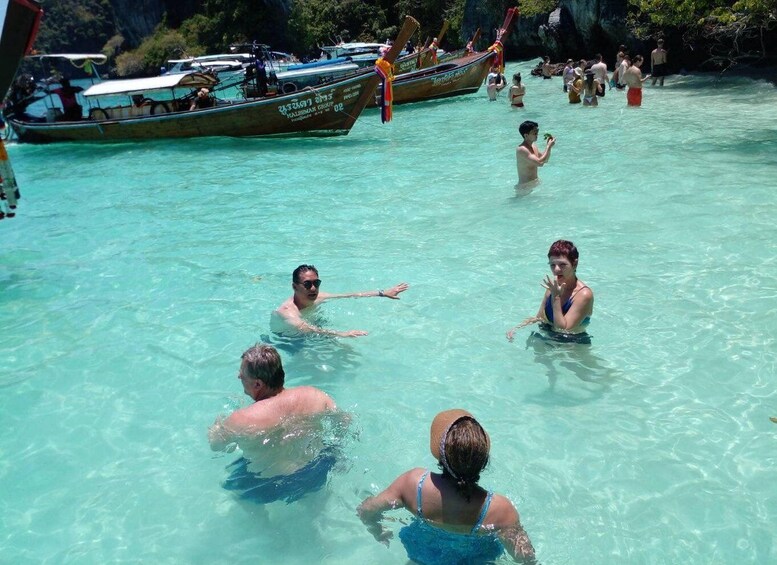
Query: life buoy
289, 87
160, 108
98, 114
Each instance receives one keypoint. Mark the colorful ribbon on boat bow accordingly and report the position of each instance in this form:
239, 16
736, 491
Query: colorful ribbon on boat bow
499, 49
9, 191
385, 72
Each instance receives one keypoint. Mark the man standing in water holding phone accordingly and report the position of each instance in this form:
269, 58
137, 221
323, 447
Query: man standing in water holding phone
527, 155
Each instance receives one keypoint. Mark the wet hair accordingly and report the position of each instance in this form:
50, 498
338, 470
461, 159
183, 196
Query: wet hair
466, 454
546, 59
517, 77
262, 362
564, 248
527, 127
302, 269
638, 59
589, 78
598, 57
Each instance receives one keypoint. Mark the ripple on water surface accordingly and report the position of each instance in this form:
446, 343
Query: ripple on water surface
135, 274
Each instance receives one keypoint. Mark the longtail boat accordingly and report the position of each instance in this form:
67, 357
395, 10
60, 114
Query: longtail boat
454, 77
19, 22
328, 109
425, 57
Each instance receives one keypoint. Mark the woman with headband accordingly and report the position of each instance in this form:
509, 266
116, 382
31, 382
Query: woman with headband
457, 521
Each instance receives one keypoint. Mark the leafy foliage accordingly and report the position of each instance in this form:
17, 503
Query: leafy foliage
154, 52
536, 7
89, 24
730, 30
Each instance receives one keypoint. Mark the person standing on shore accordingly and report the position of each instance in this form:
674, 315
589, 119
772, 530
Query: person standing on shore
658, 63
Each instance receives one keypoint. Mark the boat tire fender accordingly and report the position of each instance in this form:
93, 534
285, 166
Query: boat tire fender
289, 87
160, 108
98, 114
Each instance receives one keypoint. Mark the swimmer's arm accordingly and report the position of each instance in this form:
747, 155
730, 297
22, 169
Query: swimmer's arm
524, 154
371, 510
540, 317
388, 293
517, 543
523, 324
220, 436
583, 302
295, 321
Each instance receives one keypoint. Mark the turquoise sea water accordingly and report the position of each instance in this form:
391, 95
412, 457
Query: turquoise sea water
134, 276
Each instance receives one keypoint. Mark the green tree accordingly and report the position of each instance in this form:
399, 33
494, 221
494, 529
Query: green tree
154, 52
66, 24
729, 30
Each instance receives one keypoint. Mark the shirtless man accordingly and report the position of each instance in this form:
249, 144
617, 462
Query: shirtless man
261, 373
634, 79
277, 434
528, 156
547, 68
658, 63
307, 295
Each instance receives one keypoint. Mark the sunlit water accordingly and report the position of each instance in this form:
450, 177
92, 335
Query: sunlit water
136, 274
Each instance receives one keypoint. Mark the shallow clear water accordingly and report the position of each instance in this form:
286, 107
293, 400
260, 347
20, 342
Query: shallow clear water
136, 274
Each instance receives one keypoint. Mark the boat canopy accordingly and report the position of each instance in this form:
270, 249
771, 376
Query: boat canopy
96, 58
189, 80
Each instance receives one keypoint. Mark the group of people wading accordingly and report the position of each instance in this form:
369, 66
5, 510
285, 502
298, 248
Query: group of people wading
456, 520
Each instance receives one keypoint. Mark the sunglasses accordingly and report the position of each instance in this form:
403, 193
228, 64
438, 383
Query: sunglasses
310, 284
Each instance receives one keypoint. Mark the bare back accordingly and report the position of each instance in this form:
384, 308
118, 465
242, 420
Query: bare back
273, 411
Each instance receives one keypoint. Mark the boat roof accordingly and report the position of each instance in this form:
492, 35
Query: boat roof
320, 70
97, 58
126, 86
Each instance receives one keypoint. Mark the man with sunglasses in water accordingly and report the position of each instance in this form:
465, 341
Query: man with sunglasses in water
307, 295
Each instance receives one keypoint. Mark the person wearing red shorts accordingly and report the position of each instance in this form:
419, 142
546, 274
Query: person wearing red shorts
634, 79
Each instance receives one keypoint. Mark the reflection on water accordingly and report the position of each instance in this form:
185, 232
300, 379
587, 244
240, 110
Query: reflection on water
559, 356
314, 358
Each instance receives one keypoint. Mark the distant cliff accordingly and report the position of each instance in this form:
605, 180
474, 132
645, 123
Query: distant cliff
577, 28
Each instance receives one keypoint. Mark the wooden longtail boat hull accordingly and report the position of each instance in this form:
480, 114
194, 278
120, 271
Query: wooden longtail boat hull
19, 20
329, 109
453, 78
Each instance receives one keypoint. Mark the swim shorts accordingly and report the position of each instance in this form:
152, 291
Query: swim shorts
549, 336
634, 96
519, 105
262, 490
659, 70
